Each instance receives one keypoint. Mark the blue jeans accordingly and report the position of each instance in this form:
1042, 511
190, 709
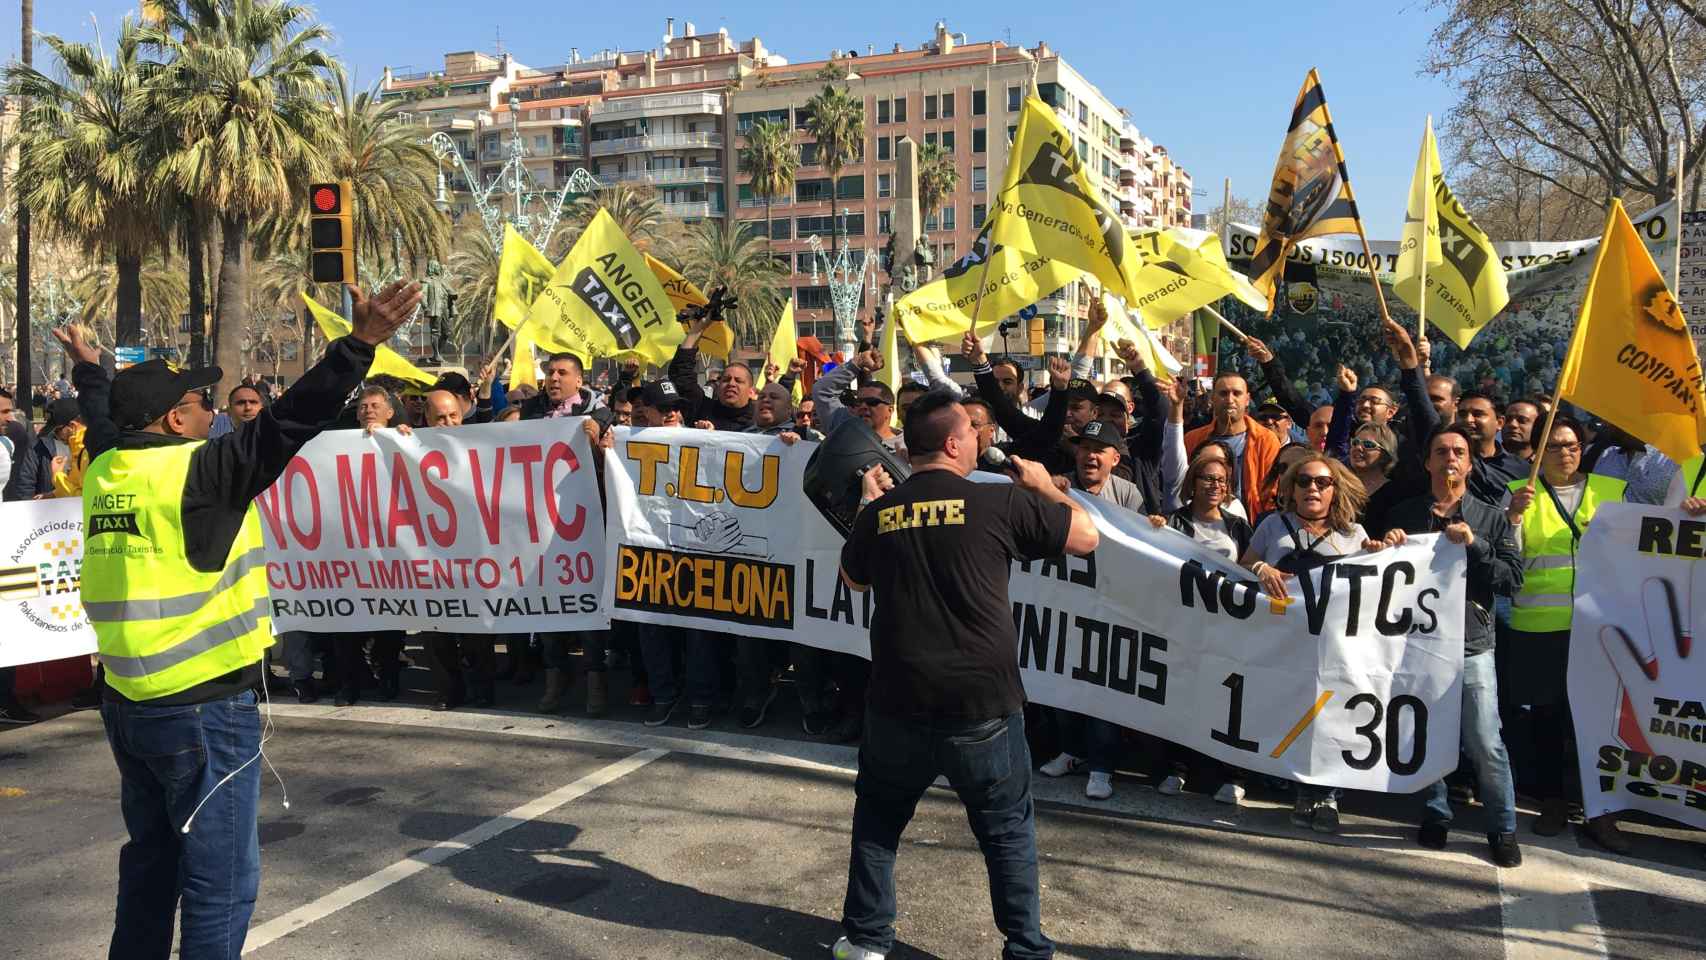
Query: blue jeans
1485, 749
989, 765
169, 760
1097, 741
658, 645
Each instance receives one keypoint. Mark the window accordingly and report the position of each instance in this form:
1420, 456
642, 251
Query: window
930, 106
802, 118
744, 122
882, 111
980, 140
979, 179
933, 224
855, 224
930, 139
851, 188
1015, 95
899, 109
803, 262
885, 221
812, 298
1083, 112
883, 146
979, 213
783, 262
885, 185
808, 154
752, 228
812, 191
947, 106
1012, 128
948, 141
1083, 150
948, 218
806, 226
979, 102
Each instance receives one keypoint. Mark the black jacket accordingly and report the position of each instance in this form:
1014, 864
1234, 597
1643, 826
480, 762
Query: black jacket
696, 403
32, 470
1489, 478
227, 473
1495, 563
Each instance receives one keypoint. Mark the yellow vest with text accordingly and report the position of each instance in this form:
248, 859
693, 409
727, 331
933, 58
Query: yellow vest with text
162, 625
1549, 555
1694, 476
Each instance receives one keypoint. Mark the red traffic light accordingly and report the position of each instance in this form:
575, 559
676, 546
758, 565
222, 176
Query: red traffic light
326, 198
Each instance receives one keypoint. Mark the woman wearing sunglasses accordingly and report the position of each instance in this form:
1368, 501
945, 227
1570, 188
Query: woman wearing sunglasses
1373, 453
1319, 527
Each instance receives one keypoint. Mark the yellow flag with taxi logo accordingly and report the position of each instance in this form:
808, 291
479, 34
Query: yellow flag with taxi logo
1185, 270
943, 308
1048, 207
604, 300
386, 361
1466, 285
718, 339
1632, 361
522, 272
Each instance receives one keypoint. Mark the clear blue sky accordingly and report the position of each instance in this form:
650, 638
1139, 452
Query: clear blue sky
1213, 81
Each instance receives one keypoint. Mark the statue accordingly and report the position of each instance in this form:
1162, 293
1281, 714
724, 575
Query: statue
435, 291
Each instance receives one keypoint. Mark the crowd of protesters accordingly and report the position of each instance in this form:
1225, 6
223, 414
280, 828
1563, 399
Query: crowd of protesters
1278, 472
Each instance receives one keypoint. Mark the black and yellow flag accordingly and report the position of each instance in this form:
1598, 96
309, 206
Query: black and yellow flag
1014, 280
1047, 206
604, 300
1311, 193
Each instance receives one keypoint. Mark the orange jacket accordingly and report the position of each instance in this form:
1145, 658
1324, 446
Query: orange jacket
1260, 449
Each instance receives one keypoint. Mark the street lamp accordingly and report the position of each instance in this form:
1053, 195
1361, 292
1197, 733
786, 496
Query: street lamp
846, 280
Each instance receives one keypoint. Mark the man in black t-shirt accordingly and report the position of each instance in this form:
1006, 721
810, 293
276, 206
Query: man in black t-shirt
945, 696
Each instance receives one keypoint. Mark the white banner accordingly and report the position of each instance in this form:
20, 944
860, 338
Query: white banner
488, 528
41, 568
1637, 679
1355, 681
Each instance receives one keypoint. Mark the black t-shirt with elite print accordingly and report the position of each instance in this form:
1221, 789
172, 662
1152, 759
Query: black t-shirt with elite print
937, 550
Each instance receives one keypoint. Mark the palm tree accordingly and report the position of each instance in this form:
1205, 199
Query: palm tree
635, 208
769, 156
837, 122
85, 155
473, 271
938, 176
243, 92
163, 289
718, 253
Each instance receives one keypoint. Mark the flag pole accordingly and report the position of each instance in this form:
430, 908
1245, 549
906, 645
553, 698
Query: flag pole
1676, 255
1545, 433
1238, 334
1422, 294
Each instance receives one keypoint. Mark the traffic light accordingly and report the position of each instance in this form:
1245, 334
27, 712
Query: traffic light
331, 231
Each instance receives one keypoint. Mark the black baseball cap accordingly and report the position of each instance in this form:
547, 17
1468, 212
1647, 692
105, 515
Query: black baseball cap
454, 382
59, 413
1272, 406
659, 395
1105, 433
1081, 389
149, 390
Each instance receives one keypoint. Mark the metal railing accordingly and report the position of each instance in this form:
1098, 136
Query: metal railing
657, 141
700, 209
754, 203
667, 177
678, 102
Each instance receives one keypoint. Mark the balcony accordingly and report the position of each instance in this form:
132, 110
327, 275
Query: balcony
690, 211
660, 178
657, 106
658, 141
753, 203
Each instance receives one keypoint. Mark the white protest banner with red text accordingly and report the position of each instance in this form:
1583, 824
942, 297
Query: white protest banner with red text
488, 528
1637, 678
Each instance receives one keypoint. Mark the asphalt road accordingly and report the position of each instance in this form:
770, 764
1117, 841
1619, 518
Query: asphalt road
494, 834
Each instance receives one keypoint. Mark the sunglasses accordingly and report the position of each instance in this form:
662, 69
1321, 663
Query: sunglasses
871, 402
1366, 444
202, 397
1563, 447
1319, 483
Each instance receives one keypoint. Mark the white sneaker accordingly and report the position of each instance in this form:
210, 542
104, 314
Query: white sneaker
1061, 766
1100, 787
1229, 793
1172, 786
845, 950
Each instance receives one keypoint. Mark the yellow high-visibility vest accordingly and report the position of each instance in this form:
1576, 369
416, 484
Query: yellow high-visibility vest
163, 626
1549, 555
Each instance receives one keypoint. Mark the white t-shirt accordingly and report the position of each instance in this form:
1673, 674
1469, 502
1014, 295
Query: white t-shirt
1212, 534
1272, 541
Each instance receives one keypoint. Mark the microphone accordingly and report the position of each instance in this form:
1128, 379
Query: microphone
995, 460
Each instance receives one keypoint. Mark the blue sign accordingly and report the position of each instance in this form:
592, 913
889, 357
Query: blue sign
129, 354
1026, 313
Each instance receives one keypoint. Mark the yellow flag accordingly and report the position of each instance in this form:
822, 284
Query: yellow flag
718, 339
1184, 270
1466, 279
943, 308
1121, 326
604, 300
386, 361
1311, 193
1631, 360
522, 272
784, 347
523, 364
890, 373
1048, 207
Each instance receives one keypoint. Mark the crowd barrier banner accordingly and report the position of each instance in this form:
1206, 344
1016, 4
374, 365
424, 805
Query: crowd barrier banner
1637, 678
495, 528
41, 564
1354, 681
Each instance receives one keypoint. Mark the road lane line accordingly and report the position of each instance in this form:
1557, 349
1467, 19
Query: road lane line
438, 853
1548, 911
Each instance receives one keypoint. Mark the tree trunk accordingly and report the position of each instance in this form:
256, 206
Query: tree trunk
197, 256
25, 332
128, 312
230, 317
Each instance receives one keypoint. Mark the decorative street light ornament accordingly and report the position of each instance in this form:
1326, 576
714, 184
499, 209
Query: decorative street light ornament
846, 280
532, 211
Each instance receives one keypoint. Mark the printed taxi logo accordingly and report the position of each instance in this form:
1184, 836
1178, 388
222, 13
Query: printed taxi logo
1662, 309
67, 611
1302, 296
44, 576
64, 548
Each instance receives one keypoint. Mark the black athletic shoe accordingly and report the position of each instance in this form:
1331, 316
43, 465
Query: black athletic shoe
660, 713
849, 730
17, 715
817, 722
699, 717
307, 691
752, 714
1504, 848
1432, 836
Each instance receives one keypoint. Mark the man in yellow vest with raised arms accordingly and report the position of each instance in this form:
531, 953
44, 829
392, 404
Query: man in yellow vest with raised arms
174, 583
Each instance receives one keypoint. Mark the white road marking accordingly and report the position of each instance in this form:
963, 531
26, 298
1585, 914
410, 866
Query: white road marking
440, 852
1547, 910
